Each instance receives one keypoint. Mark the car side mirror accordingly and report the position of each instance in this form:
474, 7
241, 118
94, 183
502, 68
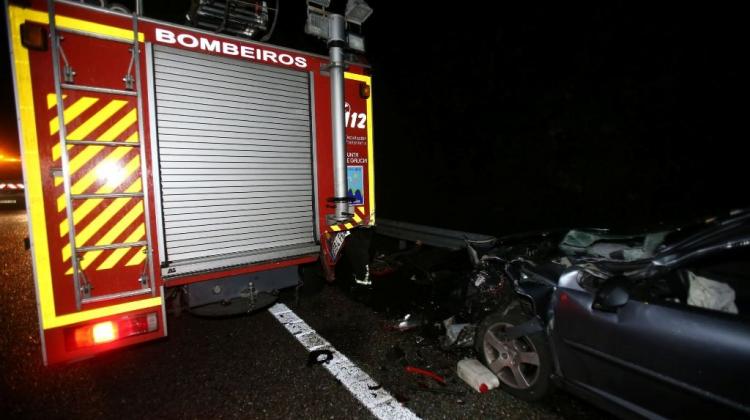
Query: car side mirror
612, 294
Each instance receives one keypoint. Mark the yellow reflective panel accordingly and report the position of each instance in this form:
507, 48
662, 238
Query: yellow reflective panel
71, 113
118, 254
138, 258
83, 235
52, 99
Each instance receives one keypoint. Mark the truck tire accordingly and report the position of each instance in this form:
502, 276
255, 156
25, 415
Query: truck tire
353, 268
524, 364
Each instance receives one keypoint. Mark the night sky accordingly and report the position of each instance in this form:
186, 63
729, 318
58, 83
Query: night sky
512, 118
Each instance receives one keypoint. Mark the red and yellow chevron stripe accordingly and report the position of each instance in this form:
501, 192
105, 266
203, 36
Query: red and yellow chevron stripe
356, 220
101, 170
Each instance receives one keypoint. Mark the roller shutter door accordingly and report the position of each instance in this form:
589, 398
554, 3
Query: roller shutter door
235, 156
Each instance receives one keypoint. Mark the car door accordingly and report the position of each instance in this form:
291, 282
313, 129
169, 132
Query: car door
654, 355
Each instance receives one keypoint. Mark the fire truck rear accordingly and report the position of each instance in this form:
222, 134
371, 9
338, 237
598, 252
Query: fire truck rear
159, 156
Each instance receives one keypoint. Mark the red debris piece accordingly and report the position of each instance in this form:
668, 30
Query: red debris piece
425, 372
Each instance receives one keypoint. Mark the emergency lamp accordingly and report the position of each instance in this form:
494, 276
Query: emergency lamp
317, 24
355, 42
357, 11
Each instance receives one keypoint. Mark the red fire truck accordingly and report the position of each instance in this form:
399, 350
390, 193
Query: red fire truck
158, 156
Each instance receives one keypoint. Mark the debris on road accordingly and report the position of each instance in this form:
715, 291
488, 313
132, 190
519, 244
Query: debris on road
476, 375
457, 334
409, 322
319, 357
425, 372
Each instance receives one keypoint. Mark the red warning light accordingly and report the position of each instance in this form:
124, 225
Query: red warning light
104, 332
108, 331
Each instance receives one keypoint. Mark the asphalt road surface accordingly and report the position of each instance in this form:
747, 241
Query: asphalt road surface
241, 367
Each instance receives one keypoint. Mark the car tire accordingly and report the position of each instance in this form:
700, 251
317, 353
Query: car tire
523, 365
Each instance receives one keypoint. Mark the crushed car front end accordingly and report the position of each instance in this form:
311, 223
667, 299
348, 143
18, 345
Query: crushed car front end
623, 319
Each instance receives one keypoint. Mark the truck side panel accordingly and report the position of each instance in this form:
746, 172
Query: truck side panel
228, 192
114, 275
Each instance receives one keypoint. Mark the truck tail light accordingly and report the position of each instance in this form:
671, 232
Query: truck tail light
103, 332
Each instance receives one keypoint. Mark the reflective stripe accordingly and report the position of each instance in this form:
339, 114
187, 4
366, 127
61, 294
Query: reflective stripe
84, 209
101, 219
32, 171
137, 258
70, 113
105, 165
111, 236
84, 130
52, 100
118, 254
359, 214
65, 22
62, 320
370, 145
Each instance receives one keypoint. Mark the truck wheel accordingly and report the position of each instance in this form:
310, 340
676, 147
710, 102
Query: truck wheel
355, 259
524, 364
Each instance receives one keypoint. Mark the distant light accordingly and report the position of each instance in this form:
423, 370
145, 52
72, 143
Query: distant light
9, 159
357, 11
12, 186
20, 186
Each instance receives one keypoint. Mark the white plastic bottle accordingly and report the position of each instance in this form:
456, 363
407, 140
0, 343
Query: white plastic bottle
476, 375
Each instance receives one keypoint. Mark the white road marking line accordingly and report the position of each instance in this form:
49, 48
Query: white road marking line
379, 401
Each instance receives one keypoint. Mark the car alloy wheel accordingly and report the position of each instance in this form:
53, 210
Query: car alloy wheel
514, 361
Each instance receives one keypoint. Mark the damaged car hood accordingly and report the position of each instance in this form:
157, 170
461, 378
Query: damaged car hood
602, 253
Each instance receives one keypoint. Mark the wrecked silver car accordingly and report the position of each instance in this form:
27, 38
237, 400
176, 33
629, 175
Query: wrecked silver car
655, 325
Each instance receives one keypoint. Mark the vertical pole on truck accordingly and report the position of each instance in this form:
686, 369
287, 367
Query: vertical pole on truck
336, 44
64, 159
149, 269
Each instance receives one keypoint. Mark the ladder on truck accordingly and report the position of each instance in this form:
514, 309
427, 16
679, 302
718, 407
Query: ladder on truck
132, 82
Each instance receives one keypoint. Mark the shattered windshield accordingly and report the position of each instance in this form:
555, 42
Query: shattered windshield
599, 243
602, 244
